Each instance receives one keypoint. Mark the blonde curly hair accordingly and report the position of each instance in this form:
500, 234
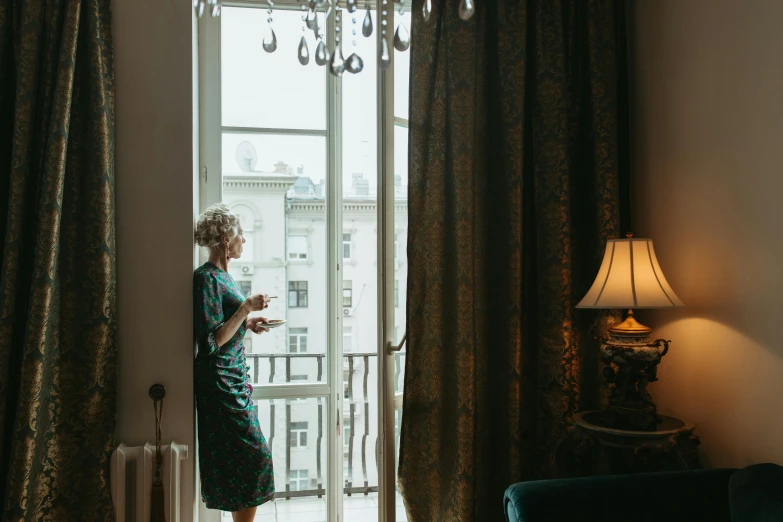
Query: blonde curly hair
215, 222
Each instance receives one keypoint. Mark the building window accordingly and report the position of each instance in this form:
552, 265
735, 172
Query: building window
297, 340
347, 294
297, 479
396, 293
246, 287
298, 436
297, 294
248, 342
297, 247
347, 339
346, 246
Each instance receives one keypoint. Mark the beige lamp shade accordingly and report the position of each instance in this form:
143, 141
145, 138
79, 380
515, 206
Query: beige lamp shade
630, 277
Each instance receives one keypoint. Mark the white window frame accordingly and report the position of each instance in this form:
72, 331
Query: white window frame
299, 479
209, 138
347, 237
299, 254
297, 435
348, 293
347, 334
298, 333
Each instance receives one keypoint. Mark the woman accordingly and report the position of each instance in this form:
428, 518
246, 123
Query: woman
234, 459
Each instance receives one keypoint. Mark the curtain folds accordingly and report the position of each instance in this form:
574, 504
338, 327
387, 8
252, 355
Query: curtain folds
518, 176
57, 260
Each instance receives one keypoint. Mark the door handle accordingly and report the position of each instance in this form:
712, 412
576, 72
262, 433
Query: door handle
391, 347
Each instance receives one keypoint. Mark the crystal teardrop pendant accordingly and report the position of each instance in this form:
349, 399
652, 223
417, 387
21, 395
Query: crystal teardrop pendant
354, 64
353, 5
311, 19
270, 40
216, 10
337, 67
321, 53
466, 9
367, 24
304, 52
385, 60
426, 10
402, 38
201, 7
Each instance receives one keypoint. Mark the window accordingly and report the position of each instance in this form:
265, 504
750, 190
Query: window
347, 294
395, 245
246, 287
297, 247
272, 163
396, 293
298, 435
297, 294
346, 246
297, 340
297, 479
347, 339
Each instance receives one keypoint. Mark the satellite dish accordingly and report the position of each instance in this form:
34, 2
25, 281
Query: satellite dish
246, 156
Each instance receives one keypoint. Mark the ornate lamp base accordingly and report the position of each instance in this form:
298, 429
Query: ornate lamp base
631, 362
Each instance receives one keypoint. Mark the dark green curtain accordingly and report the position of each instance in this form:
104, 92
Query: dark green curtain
518, 176
57, 260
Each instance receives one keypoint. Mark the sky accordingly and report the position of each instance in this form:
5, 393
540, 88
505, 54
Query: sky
273, 90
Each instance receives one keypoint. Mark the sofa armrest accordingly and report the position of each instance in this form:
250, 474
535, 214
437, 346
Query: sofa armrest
650, 497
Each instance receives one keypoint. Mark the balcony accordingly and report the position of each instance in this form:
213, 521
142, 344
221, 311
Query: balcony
295, 431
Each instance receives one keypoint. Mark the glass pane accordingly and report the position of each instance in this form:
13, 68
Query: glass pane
401, 245
270, 90
361, 434
286, 206
299, 458
359, 118
402, 64
301, 157
360, 295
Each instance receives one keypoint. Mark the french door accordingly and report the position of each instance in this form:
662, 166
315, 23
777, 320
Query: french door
316, 167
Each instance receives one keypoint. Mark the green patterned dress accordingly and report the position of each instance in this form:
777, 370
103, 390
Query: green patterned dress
234, 459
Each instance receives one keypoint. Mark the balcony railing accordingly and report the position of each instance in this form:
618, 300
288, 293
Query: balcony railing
356, 405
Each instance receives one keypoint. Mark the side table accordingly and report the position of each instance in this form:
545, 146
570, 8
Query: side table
593, 446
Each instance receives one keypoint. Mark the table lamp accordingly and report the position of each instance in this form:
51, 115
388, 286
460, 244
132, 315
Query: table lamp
630, 278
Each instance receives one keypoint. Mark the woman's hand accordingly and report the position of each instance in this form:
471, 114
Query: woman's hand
255, 324
256, 302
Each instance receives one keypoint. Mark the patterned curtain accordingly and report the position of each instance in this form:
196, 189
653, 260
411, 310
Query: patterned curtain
518, 176
57, 260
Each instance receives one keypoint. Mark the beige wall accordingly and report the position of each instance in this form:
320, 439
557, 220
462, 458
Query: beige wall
708, 166
155, 203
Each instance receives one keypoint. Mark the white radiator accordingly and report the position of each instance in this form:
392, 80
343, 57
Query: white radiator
144, 458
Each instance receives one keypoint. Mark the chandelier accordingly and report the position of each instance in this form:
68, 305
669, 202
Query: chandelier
334, 56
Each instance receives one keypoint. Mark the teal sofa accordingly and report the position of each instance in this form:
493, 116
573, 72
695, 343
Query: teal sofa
752, 494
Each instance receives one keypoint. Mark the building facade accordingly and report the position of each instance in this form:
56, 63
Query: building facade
283, 214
